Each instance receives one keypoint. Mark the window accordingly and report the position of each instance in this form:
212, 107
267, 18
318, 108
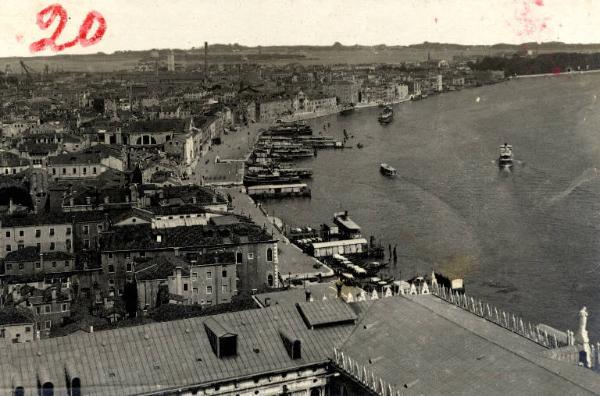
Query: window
27, 329
195, 290
86, 230
224, 288
48, 324
8, 266
8, 248
84, 170
67, 263
194, 275
239, 257
142, 254
111, 268
224, 274
208, 289
38, 233
51, 231
52, 245
68, 230
94, 170
129, 267
86, 243
47, 308
38, 246
109, 255
64, 171
20, 246
68, 244
54, 264
38, 265
8, 234
250, 256
21, 266
38, 310
74, 170
99, 227
208, 274
21, 233
54, 171
185, 287
64, 307
2, 333
269, 254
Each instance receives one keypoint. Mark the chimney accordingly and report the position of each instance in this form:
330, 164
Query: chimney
338, 286
307, 294
158, 238
53, 294
11, 206
346, 214
91, 329
205, 60
178, 282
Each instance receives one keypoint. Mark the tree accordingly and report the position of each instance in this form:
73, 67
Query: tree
130, 297
162, 297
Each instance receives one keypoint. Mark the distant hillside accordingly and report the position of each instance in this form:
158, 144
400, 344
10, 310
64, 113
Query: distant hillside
303, 54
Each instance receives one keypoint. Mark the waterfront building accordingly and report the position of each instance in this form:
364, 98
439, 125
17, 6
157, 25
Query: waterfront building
255, 251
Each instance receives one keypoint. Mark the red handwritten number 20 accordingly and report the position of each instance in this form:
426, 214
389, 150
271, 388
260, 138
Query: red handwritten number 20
47, 16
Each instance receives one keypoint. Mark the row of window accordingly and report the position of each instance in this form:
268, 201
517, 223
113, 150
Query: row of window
181, 217
38, 265
86, 229
38, 232
48, 309
39, 246
64, 171
209, 289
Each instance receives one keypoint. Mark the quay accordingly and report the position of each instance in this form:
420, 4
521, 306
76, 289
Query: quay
293, 263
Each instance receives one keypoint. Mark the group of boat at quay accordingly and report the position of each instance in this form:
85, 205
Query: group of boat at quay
355, 260
270, 170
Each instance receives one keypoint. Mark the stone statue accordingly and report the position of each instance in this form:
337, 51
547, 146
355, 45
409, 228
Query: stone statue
582, 338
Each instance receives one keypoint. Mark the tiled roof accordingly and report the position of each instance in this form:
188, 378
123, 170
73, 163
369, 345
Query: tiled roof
167, 355
31, 220
423, 346
11, 160
31, 253
138, 237
159, 267
11, 315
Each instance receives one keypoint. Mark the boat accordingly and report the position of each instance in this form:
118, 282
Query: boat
388, 170
360, 145
505, 161
386, 116
347, 109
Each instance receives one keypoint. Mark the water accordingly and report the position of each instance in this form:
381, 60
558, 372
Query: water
527, 241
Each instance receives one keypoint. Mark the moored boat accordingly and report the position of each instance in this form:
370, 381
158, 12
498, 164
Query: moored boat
387, 170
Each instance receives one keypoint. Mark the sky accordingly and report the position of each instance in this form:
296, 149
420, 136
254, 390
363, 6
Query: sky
146, 24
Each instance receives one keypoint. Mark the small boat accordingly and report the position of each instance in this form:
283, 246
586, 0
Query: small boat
505, 161
386, 116
347, 109
360, 145
387, 170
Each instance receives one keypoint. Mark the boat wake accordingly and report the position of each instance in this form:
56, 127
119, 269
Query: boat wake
587, 176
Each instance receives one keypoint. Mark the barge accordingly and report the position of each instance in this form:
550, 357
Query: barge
387, 170
279, 190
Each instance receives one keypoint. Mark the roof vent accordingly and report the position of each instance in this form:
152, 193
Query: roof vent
292, 344
222, 340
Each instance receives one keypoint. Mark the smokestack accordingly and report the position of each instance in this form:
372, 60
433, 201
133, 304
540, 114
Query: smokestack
206, 60
307, 293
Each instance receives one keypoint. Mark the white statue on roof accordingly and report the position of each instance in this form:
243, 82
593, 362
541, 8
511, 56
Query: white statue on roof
374, 295
362, 296
433, 279
388, 292
413, 289
425, 288
582, 338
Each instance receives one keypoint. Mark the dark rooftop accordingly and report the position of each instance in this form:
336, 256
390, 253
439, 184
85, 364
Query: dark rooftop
31, 253
12, 315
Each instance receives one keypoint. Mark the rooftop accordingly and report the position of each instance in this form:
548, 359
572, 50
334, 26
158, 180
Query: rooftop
31, 253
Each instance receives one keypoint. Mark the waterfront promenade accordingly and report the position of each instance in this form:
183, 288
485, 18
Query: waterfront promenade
292, 261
